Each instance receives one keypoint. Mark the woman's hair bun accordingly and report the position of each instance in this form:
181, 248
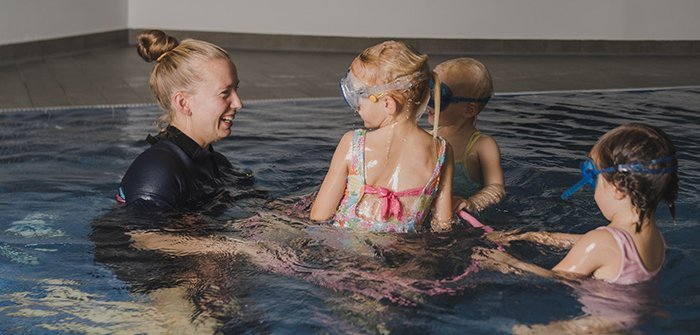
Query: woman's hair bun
154, 43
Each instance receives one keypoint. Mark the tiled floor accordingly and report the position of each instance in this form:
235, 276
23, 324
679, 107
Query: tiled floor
119, 76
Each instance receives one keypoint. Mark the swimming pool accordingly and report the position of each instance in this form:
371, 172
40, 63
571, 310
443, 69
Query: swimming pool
249, 266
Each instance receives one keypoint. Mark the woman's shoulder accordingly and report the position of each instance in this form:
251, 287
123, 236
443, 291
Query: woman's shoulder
162, 153
154, 176
160, 160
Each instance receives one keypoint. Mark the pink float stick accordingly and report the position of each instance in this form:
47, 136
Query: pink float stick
473, 221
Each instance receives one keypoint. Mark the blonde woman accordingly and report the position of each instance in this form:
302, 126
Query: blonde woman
195, 83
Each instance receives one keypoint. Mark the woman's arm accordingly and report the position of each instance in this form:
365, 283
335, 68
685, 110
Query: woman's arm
333, 185
154, 179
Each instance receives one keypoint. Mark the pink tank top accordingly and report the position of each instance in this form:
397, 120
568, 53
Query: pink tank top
632, 268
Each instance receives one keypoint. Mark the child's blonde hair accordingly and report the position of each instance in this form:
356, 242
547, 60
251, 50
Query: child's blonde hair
640, 143
468, 75
387, 61
176, 65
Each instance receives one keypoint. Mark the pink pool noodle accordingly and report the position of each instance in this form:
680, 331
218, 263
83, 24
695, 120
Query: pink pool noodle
473, 221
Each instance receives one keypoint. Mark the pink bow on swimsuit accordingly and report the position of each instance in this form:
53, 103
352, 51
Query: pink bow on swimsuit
390, 200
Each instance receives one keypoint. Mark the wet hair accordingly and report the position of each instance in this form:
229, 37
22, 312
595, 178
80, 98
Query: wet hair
469, 78
176, 65
639, 143
387, 61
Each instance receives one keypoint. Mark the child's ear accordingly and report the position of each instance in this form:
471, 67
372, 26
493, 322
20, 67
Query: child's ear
181, 104
472, 110
390, 105
619, 195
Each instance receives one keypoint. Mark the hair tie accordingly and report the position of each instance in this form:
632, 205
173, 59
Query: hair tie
161, 56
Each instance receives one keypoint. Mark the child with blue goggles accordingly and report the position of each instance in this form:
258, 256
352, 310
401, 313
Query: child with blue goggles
640, 172
479, 180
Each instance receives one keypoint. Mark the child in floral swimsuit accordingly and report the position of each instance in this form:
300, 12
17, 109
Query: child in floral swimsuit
376, 208
388, 176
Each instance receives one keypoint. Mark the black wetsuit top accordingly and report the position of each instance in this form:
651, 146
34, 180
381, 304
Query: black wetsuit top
174, 172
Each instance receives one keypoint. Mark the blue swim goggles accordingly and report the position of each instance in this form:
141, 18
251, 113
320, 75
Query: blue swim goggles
447, 97
589, 173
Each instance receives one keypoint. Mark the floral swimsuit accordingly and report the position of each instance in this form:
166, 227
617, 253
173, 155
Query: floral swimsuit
375, 208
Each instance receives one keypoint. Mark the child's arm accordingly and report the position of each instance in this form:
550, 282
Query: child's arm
595, 253
556, 240
489, 156
333, 186
442, 210
503, 262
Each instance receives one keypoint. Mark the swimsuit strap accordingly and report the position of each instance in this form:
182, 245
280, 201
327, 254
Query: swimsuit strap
430, 186
356, 174
632, 268
472, 139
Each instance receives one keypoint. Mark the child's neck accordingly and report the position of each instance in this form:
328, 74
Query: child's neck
458, 135
399, 122
628, 221
466, 127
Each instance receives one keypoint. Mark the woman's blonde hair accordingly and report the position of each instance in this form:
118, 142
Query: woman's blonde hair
176, 65
387, 61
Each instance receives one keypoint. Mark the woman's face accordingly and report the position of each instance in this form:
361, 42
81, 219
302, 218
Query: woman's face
214, 102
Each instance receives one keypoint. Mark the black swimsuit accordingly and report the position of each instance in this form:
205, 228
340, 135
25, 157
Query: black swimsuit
174, 172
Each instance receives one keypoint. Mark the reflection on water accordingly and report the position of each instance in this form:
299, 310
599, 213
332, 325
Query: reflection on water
70, 261
67, 309
214, 262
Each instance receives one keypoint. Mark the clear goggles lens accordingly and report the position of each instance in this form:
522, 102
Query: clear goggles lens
353, 89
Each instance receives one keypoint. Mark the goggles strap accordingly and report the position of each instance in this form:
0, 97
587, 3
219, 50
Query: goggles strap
573, 189
644, 166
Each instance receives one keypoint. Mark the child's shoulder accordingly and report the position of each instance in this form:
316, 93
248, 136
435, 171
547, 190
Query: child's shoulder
595, 248
486, 141
348, 136
486, 148
435, 142
345, 142
600, 235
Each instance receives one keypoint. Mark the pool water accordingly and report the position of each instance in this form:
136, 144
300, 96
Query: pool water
71, 261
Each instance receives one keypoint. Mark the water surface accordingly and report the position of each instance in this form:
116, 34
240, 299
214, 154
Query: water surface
70, 262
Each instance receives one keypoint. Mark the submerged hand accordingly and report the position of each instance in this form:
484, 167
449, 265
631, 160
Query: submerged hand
496, 260
459, 203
